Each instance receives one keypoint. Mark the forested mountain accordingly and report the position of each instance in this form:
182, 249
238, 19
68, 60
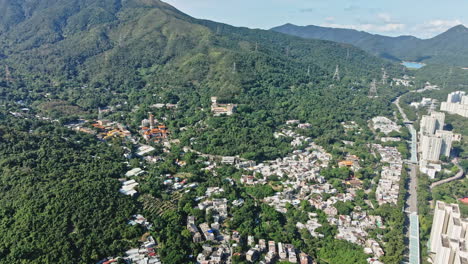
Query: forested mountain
90, 54
447, 48
123, 44
62, 59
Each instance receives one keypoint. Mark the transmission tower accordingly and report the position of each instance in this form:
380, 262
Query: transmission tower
373, 89
256, 46
234, 68
347, 54
7, 74
120, 40
308, 71
384, 76
99, 113
287, 51
448, 77
336, 76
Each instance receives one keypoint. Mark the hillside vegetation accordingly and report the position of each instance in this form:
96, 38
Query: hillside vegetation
120, 45
60, 201
139, 52
63, 59
447, 48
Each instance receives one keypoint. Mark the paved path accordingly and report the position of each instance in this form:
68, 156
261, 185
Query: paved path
403, 114
458, 176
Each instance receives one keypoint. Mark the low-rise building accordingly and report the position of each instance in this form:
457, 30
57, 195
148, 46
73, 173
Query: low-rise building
272, 247
304, 258
221, 109
207, 232
282, 253
251, 255
128, 188
385, 125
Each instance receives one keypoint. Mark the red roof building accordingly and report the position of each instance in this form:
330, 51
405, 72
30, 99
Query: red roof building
464, 200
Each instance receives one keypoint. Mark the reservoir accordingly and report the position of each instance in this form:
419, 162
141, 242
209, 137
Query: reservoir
413, 65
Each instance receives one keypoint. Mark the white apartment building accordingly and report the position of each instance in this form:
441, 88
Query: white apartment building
457, 103
455, 97
430, 124
431, 147
447, 138
449, 235
434, 141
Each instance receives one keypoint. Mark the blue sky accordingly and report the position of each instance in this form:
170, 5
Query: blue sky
421, 18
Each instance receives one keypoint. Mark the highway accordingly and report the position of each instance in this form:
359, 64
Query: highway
412, 200
411, 205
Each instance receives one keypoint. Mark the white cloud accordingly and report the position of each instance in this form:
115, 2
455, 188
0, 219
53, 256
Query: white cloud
382, 23
439, 25
432, 28
384, 17
330, 19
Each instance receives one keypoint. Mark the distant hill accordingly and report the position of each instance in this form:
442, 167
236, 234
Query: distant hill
113, 42
448, 48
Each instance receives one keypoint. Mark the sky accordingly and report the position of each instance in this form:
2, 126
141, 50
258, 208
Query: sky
420, 18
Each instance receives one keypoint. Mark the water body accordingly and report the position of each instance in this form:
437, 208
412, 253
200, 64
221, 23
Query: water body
413, 65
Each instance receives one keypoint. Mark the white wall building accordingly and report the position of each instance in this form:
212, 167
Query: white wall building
430, 124
431, 147
434, 141
455, 97
457, 103
449, 235
447, 138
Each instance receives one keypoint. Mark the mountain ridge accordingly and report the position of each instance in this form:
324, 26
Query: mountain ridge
445, 48
80, 39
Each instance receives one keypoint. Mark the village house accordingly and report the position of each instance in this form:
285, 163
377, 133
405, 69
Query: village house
221, 109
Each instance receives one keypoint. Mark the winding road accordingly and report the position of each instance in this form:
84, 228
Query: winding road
458, 176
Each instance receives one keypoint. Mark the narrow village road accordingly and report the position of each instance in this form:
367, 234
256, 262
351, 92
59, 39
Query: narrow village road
403, 114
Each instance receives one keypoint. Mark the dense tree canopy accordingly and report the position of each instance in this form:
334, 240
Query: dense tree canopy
60, 201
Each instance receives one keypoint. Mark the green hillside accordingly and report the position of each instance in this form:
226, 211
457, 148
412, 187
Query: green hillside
92, 54
113, 43
447, 48
65, 58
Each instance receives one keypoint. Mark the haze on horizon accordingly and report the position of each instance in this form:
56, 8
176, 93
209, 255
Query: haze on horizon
420, 18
